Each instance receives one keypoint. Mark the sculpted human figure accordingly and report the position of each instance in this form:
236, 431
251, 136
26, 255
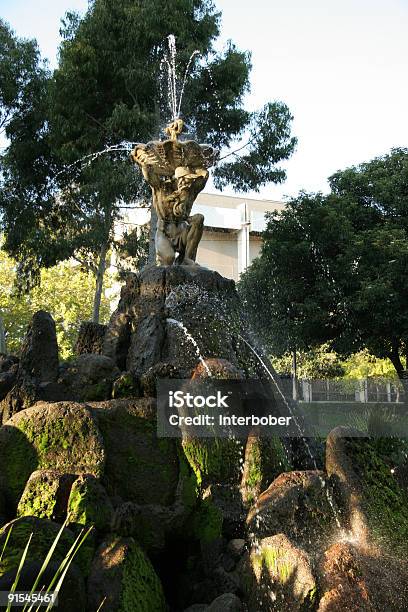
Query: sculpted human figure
176, 172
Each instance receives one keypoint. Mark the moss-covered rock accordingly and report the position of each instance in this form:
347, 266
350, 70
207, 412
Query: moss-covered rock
376, 501
214, 460
299, 504
123, 576
44, 533
206, 522
125, 386
61, 436
265, 459
46, 495
89, 504
276, 576
89, 377
140, 467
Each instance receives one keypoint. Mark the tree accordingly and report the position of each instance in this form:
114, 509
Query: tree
29, 215
20, 75
334, 268
68, 308
107, 90
319, 363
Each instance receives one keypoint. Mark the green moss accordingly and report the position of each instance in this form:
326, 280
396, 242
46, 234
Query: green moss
22, 460
141, 588
67, 444
188, 482
207, 522
39, 499
213, 460
274, 561
97, 392
140, 467
124, 386
264, 461
385, 503
89, 504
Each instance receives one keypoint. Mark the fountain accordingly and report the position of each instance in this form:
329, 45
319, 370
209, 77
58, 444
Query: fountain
223, 520
176, 172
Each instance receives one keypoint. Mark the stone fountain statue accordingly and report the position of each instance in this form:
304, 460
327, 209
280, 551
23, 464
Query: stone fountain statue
176, 171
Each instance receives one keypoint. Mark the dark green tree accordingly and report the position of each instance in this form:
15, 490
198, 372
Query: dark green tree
107, 90
334, 268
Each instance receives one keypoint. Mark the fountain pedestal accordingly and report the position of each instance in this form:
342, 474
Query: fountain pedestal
144, 330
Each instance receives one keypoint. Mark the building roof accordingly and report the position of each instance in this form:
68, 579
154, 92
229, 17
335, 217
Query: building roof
232, 212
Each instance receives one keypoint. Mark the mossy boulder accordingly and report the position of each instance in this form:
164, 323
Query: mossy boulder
265, 459
61, 436
46, 495
277, 576
125, 386
140, 467
44, 533
89, 377
299, 504
89, 504
123, 576
376, 500
206, 523
353, 576
214, 460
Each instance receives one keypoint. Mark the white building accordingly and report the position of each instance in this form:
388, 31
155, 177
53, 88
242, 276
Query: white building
232, 228
231, 238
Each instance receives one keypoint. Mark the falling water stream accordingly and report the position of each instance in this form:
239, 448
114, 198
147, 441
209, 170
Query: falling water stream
192, 340
268, 370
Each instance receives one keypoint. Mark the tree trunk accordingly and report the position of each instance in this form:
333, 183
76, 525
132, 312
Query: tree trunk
294, 375
395, 359
3, 348
100, 273
153, 226
397, 363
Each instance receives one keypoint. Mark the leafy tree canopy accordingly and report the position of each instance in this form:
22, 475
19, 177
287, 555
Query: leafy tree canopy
107, 89
335, 268
68, 308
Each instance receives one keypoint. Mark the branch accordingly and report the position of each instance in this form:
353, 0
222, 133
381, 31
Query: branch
85, 264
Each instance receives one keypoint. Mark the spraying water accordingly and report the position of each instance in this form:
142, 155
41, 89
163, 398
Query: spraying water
301, 433
174, 90
192, 340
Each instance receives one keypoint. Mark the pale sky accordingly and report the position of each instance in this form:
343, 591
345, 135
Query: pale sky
340, 65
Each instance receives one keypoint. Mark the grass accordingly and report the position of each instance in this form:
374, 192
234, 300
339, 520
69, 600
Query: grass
59, 576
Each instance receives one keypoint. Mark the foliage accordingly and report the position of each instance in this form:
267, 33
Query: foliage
334, 268
133, 249
106, 90
63, 565
319, 363
363, 365
66, 292
20, 75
